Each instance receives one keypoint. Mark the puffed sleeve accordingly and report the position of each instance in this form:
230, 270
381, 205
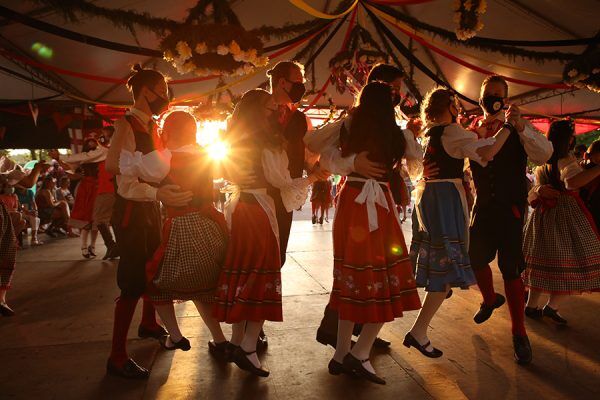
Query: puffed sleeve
294, 192
538, 148
461, 143
151, 167
413, 155
569, 167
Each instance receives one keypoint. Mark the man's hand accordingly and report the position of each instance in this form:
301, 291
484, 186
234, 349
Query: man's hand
430, 170
171, 195
513, 116
548, 192
368, 168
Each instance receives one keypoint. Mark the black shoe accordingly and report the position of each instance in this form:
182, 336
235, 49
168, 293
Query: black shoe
240, 359
155, 333
262, 342
321, 221
336, 368
381, 343
218, 350
485, 312
112, 252
85, 252
6, 311
314, 220
183, 344
355, 365
553, 315
230, 351
410, 341
522, 347
533, 313
92, 251
129, 370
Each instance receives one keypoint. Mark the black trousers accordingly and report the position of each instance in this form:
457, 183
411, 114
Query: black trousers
137, 228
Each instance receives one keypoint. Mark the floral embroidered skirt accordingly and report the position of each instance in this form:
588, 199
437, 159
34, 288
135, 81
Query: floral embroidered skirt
83, 208
8, 248
561, 248
373, 279
439, 250
249, 287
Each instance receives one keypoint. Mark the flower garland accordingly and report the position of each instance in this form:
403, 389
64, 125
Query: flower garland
584, 71
466, 15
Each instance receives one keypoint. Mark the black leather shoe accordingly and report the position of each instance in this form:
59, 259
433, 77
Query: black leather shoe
155, 333
355, 365
553, 315
522, 347
129, 370
218, 350
314, 220
262, 342
328, 339
230, 351
485, 312
183, 344
112, 252
410, 341
6, 311
533, 313
381, 343
240, 359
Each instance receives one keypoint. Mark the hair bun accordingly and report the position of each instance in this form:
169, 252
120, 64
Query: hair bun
137, 67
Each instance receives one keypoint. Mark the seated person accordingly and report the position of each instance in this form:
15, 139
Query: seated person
64, 192
29, 210
50, 210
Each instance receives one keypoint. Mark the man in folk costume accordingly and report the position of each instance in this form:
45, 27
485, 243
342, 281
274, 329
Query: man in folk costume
136, 216
326, 142
497, 217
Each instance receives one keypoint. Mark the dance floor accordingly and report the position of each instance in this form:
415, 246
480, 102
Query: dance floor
56, 346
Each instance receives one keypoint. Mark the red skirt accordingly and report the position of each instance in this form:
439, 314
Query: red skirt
249, 286
373, 278
83, 208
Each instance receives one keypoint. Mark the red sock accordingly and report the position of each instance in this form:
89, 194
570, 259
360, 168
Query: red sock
485, 282
515, 297
124, 309
148, 315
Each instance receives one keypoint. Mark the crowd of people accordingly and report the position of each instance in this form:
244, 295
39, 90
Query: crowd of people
156, 188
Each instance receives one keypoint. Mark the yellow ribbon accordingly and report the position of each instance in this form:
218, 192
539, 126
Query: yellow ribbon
455, 50
318, 14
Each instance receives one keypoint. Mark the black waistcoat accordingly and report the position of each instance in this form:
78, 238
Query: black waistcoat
294, 133
450, 167
504, 180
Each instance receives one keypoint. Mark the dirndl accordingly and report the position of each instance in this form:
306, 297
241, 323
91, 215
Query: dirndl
82, 215
187, 264
562, 248
373, 280
439, 250
250, 283
8, 248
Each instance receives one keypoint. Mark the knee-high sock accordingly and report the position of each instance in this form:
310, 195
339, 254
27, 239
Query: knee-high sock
167, 316
485, 281
556, 300
237, 333
431, 304
344, 339
534, 298
205, 311
515, 297
124, 309
148, 315
362, 348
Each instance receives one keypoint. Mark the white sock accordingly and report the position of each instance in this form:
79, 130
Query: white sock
344, 339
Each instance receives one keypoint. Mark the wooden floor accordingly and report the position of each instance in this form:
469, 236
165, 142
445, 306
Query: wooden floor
56, 347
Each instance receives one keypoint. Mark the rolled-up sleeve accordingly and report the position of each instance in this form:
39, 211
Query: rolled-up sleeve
294, 192
151, 167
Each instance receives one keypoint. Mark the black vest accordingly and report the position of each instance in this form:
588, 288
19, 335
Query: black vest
504, 180
294, 133
450, 167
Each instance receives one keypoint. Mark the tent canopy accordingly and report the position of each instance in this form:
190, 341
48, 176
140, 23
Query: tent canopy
504, 19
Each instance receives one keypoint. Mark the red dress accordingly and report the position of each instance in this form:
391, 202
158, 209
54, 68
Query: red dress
82, 214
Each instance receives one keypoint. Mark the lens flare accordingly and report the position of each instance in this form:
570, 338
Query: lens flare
397, 250
42, 50
218, 150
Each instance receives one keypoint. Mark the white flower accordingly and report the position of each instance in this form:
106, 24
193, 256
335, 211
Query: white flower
183, 49
168, 56
201, 48
222, 50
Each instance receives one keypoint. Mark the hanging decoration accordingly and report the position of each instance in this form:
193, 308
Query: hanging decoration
222, 47
584, 71
467, 15
350, 68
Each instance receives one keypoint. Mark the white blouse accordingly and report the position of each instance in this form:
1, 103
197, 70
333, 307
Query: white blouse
461, 143
151, 167
569, 167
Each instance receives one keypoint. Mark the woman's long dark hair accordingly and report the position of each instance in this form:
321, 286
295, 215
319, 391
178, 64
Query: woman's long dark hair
560, 135
374, 121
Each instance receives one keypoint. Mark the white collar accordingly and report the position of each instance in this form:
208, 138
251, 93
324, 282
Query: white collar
139, 114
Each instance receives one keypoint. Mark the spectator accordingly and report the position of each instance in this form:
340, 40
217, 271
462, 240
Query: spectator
64, 192
30, 212
52, 211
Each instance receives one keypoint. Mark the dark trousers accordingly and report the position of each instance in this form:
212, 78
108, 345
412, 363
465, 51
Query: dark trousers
284, 221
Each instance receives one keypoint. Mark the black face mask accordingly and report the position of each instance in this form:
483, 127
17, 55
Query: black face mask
158, 105
492, 104
296, 91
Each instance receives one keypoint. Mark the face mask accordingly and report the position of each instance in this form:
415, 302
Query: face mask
158, 105
296, 92
492, 104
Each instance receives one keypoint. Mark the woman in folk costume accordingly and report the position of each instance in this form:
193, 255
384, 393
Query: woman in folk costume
439, 248
373, 280
249, 290
187, 264
561, 243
